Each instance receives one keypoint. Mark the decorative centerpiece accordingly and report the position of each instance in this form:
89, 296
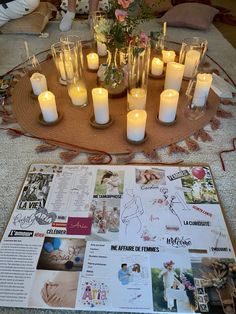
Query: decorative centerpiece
117, 32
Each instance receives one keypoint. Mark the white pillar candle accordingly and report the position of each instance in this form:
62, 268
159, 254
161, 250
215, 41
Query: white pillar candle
168, 105
137, 98
174, 76
191, 62
136, 124
92, 61
69, 69
100, 105
38, 83
101, 49
78, 95
202, 89
48, 106
168, 56
157, 67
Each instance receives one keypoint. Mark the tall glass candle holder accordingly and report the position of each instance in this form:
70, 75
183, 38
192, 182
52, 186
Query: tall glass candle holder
95, 19
56, 50
75, 41
138, 70
197, 95
74, 75
192, 53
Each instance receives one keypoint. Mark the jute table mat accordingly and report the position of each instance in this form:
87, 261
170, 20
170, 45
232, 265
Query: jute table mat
75, 127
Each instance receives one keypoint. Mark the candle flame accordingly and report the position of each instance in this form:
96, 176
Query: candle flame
136, 115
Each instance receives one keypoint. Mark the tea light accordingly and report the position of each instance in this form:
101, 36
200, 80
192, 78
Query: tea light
191, 62
174, 76
137, 98
100, 105
93, 61
78, 95
136, 124
38, 83
101, 49
202, 89
48, 106
168, 105
168, 56
157, 67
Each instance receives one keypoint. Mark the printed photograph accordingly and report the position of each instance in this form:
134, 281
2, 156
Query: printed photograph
36, 188
105, 214
54, 289
151, 176
131, 273
62, 254
173, 283
217, 278
57, 169
109, 183
202, 187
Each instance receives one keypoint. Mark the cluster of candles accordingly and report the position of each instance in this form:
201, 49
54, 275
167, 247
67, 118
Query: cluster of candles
137, 116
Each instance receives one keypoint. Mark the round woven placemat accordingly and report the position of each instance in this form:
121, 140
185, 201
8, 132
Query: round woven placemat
75, 127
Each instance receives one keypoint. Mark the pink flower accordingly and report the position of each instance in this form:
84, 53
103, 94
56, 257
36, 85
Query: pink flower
143, 39
125, 3
120, 15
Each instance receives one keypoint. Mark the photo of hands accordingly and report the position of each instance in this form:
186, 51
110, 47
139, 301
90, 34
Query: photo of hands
54, 289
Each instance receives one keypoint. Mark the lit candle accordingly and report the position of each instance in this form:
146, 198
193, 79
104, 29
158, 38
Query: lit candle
78, 95
157, 67
191, 62
137, 98
101, 49
174, 75
202, 89
48, 106
38, 83
100, 105
69, 69
136, 124
168, 105
168, 56
92, 61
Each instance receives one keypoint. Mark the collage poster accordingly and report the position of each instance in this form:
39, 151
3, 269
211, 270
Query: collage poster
118, 238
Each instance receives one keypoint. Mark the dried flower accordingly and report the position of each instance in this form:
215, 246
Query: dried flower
125, 3
121, 15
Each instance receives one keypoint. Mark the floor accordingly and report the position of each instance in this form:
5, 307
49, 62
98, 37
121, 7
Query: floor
229, 31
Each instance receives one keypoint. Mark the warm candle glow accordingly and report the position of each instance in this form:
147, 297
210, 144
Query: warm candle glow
174, 76
157, 67
202, 89
93, 61
38, 83
136, 124
137, 98
168, 56
191, 63
48, 107
78, 95
168, 105
100, 105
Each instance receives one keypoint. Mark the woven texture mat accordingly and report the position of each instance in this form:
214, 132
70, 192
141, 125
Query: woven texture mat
75, 127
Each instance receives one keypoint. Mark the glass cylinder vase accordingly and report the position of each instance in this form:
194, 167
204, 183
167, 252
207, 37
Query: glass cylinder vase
192, 53
112, 75
138, 69
76, 85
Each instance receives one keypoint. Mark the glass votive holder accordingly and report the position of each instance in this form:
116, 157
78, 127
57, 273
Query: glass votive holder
56, 50
192, 53
77, 92
138, 70
196, 96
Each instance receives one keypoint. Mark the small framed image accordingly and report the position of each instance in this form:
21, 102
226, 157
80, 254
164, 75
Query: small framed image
203, 307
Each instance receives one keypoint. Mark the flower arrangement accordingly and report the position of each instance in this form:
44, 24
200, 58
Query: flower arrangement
124, 15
